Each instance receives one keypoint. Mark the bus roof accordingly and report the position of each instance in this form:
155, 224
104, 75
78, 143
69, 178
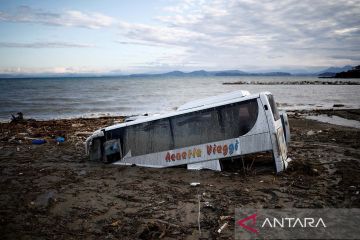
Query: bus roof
222, 101
214, 99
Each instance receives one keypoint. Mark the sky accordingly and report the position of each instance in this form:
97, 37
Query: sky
143, 36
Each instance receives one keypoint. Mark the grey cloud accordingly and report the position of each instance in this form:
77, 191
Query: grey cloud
351, 57
159, 35
231, 32
44, 45
267, 28
74, 18
141, 43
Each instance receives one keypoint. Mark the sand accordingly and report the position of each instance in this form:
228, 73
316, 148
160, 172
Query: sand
53, 191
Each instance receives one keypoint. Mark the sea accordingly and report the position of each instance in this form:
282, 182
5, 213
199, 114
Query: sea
57, 98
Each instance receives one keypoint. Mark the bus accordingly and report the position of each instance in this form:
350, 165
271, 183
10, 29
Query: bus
198, 134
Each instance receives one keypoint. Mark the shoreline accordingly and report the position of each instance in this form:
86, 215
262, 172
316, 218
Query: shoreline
285, 107
74, 118
53, 190
310, 111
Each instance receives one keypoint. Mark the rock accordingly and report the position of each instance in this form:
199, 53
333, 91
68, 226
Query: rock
23, 134
208, 205
310, 133
222, 218
116, 223
77, 125
194, 184
43, 200
315, 171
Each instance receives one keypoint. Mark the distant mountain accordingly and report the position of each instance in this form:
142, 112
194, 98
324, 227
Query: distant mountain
203, 73
326, 75
200, 73
328, 72
230, 73
331, 71
353, 73
174, 74
274, 74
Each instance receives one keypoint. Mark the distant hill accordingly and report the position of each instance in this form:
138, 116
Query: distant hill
328, 72
353, 73
274, 74
230, 73
331, 71
200, 73
338, 69
203, 73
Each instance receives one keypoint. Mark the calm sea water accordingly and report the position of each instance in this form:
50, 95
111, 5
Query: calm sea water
90, 97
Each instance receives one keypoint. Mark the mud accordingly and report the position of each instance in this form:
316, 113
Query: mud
51, 191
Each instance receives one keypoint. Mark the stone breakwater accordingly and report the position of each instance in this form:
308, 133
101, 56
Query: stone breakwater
293, 83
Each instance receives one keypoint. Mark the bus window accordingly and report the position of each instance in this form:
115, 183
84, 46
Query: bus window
196, 128
273, 107
149, 137
239, 118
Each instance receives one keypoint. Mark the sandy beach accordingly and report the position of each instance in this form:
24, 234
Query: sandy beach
53, 191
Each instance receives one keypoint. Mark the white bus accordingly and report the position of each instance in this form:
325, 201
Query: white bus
198, 134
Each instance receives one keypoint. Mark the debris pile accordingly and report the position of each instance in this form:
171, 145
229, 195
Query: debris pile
20, 130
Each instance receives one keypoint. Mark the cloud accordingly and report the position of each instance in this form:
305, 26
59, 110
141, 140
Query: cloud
44, 45
159, 34
251, 32
351, 57
346, 31
220, 34
71, 18
57, 70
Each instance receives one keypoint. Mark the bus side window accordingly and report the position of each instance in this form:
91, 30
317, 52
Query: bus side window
149, 137
196, 128
160, 138
239, 118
